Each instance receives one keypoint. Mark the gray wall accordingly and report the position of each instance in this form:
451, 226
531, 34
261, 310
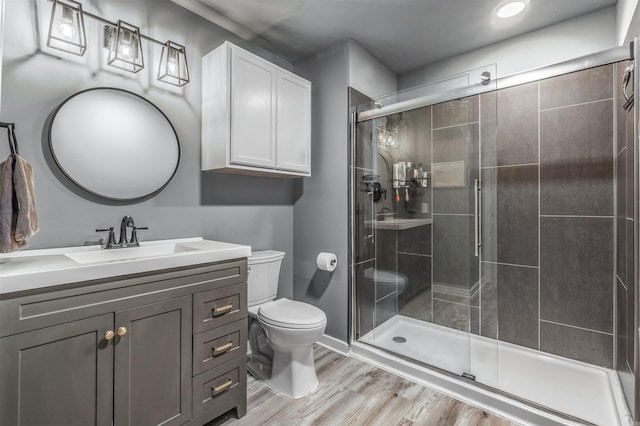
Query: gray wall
570, 39
320, 214
247, 210
321, 210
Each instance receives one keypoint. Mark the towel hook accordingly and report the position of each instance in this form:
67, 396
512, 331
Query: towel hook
11, 135
625, 81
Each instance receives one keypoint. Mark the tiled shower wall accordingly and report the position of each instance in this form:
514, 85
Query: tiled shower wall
548, 221
625, 152
548, 215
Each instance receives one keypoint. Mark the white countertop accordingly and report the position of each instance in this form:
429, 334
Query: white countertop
33, 269
398, 224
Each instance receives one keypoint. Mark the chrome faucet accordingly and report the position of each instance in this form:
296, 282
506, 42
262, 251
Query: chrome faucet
127, 222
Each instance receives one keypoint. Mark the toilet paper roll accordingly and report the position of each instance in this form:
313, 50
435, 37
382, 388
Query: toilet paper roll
327, 261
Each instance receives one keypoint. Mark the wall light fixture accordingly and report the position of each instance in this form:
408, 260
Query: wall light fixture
66, 29
124, 41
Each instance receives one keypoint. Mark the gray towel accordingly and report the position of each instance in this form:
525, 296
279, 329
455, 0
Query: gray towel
18, 219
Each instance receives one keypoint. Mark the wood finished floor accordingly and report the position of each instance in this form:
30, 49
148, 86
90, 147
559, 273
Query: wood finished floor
352, 392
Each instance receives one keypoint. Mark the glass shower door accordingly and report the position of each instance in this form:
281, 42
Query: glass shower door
422, 287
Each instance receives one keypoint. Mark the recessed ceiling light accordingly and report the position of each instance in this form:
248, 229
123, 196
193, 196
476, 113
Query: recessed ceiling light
511, 9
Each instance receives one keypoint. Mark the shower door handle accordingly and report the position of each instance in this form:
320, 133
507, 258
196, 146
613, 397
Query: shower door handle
476, 217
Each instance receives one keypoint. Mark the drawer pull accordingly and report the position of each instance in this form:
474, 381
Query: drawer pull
222, 348
222, 386
222, 309
109, 335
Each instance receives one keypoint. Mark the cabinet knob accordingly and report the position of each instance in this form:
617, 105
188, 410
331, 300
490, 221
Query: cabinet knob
122, 331
109, 335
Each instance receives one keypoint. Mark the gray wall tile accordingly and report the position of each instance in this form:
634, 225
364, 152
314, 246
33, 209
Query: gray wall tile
417, 270
517, 305
386, 249
576, 270
510, 215
516, 114
576, 160
453, 113
365, 292
583, 345
415, 240
451, 315
364, 247
621, 220
621, 323
386, 309
489, 302
453, 260
578, 87
631, 152
365, 145
632, 297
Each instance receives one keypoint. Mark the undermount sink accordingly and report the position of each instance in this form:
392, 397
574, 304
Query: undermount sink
128, 253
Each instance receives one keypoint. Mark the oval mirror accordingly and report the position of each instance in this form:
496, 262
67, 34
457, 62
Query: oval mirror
114, 144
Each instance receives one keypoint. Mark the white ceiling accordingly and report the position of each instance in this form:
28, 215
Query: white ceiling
402, 34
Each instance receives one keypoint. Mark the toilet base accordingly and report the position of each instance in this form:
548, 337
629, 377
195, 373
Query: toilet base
293, 372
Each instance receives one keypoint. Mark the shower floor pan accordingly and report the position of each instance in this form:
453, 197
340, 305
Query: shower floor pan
577, 389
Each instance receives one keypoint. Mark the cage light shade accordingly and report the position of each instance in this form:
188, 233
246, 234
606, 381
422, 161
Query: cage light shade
66, 28
173, 68
125, 48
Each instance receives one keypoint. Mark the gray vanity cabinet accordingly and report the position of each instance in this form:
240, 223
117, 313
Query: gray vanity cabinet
60, 375
120, 351
152, 366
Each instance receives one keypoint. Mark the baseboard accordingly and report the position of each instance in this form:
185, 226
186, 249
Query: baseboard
334, 344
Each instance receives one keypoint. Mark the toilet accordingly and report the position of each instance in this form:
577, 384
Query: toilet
386, 282
281, 332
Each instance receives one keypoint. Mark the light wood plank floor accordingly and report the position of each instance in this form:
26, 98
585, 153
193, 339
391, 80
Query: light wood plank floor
352, 393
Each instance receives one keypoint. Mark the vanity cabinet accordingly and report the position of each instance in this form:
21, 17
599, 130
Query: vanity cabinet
128, 350
256, 116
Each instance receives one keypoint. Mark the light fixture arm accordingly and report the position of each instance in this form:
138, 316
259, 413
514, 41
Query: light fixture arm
67, 33
114, 25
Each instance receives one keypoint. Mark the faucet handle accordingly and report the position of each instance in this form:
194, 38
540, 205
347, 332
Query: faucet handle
134, 235
111, 242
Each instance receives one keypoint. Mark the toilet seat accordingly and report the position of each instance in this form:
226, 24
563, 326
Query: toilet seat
287, 313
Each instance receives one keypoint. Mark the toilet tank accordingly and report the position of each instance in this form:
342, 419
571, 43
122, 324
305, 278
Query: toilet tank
263, 273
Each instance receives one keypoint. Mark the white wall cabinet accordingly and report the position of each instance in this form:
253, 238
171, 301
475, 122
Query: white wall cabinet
256, 116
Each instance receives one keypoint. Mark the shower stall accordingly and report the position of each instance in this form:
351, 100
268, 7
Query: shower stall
494, 237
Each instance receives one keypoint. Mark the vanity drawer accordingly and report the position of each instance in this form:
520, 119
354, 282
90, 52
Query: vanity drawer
215, 347
76, 301
222, 388
219, 307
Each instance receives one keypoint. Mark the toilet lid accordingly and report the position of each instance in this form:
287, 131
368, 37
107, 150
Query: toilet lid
291, 314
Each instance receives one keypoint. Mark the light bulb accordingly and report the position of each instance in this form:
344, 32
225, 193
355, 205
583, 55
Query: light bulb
125, 51
172, 66
67, 29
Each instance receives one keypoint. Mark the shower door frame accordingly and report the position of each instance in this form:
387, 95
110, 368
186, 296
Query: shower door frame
578, 64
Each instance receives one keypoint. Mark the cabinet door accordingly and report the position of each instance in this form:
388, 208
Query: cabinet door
253, 124
153, 364
60, 375
294, 123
